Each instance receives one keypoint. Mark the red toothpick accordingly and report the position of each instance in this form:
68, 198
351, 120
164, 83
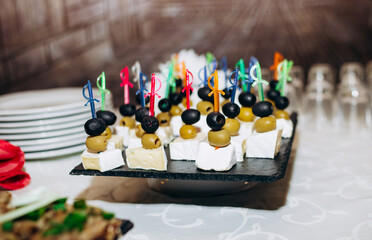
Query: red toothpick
124, 75
188, 87
153, 93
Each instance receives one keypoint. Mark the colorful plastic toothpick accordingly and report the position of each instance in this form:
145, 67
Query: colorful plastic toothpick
153, 93
170, 80
258, 80
124, 75
234, 85
142, 89
250, 80
102, 89
215, 91
90, 98
203, 78
211, 62
284, 68
242, 75
188, 87
223, 64
278, 58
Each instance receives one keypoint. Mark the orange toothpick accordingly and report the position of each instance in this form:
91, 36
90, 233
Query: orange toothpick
278, 58
215, 91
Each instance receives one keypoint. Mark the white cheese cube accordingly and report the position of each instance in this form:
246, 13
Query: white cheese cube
150, 159
123, 132
286, 125
115, 142
185, 149
202, 124
176, 123
264, 145
220, 159
239, 146
165, 134
245, 129
102, 161
134, 141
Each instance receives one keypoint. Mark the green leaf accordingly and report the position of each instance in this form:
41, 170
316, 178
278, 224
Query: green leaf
59, 206
80, 204
8, 226
108, 215
75, 220
55, 229
35, 215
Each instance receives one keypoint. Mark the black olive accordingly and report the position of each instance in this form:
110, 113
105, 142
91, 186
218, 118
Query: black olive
175, 98
141, 113
184, 93
164, 105
273, 94
107, 116
247, 99
127, 110
231, 110
215, 120
263, 109
150, 124
138, 99
179, 82
281, 103
203, 94
94, 127
273, 84
190, 116
227, 93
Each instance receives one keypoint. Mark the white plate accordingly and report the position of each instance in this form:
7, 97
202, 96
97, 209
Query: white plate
43, 101
55, 153
43, 134
53, 140
45, 128
40, 116
51, 146
52, 121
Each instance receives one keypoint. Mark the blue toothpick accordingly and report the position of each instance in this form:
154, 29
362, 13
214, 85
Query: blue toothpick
234, 84
90, 98
142, 89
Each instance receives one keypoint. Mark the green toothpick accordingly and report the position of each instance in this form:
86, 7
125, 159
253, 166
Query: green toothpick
242, 75
170, 80
258, 80
284, 68
102, 89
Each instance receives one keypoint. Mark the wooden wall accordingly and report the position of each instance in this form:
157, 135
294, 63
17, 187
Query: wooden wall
65, 42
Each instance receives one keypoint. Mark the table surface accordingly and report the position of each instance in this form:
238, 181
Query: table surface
325, 194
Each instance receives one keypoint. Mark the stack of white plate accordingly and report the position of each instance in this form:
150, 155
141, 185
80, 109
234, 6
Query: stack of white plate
47, 123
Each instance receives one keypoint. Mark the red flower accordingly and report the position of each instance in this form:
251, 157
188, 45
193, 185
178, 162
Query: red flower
12, 160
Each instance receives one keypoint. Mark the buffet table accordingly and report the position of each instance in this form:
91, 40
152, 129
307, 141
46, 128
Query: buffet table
325, 194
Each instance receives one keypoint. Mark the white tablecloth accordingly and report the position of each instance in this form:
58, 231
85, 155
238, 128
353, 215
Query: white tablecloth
326, 194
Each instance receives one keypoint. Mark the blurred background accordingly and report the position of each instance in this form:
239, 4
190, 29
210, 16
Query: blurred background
59, 43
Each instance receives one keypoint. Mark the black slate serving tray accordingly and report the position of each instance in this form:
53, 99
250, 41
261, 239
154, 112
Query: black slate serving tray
251, 170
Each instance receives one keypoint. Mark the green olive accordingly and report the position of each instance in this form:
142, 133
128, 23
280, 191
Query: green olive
127, 122
96, 143
246, 114
265, 124
163, 118
281, 114
150, 141
139, 131
175, 110
219, 138
232, 126
184, 102
205, 107
107, 133
188, 131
